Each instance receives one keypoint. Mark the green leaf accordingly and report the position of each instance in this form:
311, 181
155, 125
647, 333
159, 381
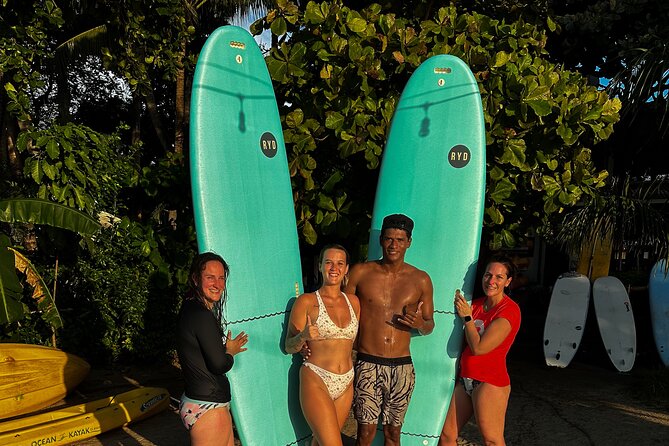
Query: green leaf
315, 13
49, 170
279, 26
540, 92
495, 215
52, 149
502, 190
325, 202
540, 107
11, 308
356, 24
36, 172
334, 120
332, 181
295, 118
551, 24
32, 210
501, 58
309, 233
551, 186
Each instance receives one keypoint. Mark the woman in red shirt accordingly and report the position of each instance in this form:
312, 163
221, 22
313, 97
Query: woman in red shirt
483, 387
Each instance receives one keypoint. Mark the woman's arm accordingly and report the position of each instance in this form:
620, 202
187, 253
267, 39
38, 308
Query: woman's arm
300, 327
492, 337
217, 360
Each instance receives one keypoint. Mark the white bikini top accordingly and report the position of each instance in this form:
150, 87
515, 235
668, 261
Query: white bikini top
328, 329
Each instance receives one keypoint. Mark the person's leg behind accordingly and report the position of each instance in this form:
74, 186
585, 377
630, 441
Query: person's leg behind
459, 412
490, 403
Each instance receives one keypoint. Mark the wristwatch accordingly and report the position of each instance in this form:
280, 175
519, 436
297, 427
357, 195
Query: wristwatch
467, 319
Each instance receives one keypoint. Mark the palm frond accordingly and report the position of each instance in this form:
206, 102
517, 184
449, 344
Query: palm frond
644, 79
626, 214
89, 42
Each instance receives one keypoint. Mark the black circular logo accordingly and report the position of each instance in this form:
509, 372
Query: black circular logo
268, 145
459, 156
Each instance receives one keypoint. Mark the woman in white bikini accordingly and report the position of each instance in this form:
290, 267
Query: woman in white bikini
327, 322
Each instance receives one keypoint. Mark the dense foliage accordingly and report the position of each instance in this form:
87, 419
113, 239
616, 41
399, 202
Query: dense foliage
339, 73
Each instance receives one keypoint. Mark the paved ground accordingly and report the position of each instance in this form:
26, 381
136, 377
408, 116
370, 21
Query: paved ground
583, 404
588, 403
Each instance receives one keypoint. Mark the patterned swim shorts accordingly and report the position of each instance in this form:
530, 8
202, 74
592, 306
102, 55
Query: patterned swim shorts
383, 387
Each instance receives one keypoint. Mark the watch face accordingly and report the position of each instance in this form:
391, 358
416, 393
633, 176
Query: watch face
468, 318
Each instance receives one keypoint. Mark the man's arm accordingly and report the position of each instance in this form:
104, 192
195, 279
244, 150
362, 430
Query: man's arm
353, 278
423, 318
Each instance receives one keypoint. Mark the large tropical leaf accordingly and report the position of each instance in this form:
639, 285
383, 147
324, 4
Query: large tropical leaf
11, 308
41, 293
34, 210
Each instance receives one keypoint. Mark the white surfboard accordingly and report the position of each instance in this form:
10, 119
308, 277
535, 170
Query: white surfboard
616, 321
565, 320
658, 296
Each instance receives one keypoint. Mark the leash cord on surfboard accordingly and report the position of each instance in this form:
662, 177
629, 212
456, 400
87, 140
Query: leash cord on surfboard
444, 311
263, 316
299, 440
411, 434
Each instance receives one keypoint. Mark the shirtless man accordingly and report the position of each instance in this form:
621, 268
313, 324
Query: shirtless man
395, 298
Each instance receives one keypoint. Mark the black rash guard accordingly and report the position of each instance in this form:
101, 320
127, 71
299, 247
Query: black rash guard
202, 355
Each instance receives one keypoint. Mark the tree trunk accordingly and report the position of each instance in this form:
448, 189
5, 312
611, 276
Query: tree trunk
152, 108
10, 161
180, 105
595, 261
63, 98
135, 134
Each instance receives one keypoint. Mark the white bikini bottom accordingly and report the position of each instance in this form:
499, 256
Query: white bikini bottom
335, 383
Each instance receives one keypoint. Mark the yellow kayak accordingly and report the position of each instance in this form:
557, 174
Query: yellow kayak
74, 423
33, 377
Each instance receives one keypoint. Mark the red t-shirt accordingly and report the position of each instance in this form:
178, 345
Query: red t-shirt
491, 367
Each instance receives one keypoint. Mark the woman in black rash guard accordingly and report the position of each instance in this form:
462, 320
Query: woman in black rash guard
204, 356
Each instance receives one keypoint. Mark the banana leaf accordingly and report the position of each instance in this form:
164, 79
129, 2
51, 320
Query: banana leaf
44, 212
11, 308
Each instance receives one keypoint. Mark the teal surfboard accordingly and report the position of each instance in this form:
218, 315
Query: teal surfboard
433, 170
658, 295
243, 206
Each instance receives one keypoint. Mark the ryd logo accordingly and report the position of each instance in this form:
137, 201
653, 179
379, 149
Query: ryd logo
268, 145
459, 156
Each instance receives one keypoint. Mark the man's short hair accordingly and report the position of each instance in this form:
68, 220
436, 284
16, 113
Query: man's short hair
397, 221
